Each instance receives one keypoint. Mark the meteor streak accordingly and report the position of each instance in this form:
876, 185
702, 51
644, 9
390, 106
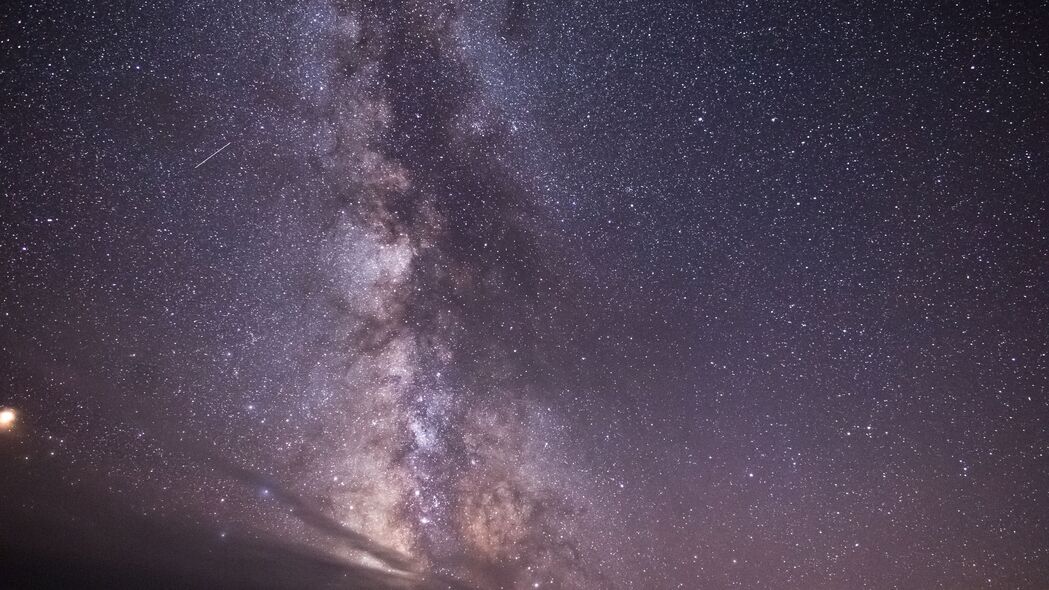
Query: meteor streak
215, 153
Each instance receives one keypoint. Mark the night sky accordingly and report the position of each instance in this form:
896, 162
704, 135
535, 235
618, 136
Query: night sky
496, 294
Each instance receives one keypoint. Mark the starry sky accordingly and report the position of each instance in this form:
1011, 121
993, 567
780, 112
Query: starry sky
514, 294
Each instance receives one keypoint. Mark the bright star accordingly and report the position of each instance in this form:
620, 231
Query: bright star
7, 419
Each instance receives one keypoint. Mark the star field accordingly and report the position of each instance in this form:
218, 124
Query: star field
520, 294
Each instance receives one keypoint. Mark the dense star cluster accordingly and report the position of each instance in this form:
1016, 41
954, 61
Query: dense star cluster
511, 294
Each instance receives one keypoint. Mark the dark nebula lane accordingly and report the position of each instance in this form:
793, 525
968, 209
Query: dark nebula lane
517, 294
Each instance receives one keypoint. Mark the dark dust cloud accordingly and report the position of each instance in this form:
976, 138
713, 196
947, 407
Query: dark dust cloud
509, 295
